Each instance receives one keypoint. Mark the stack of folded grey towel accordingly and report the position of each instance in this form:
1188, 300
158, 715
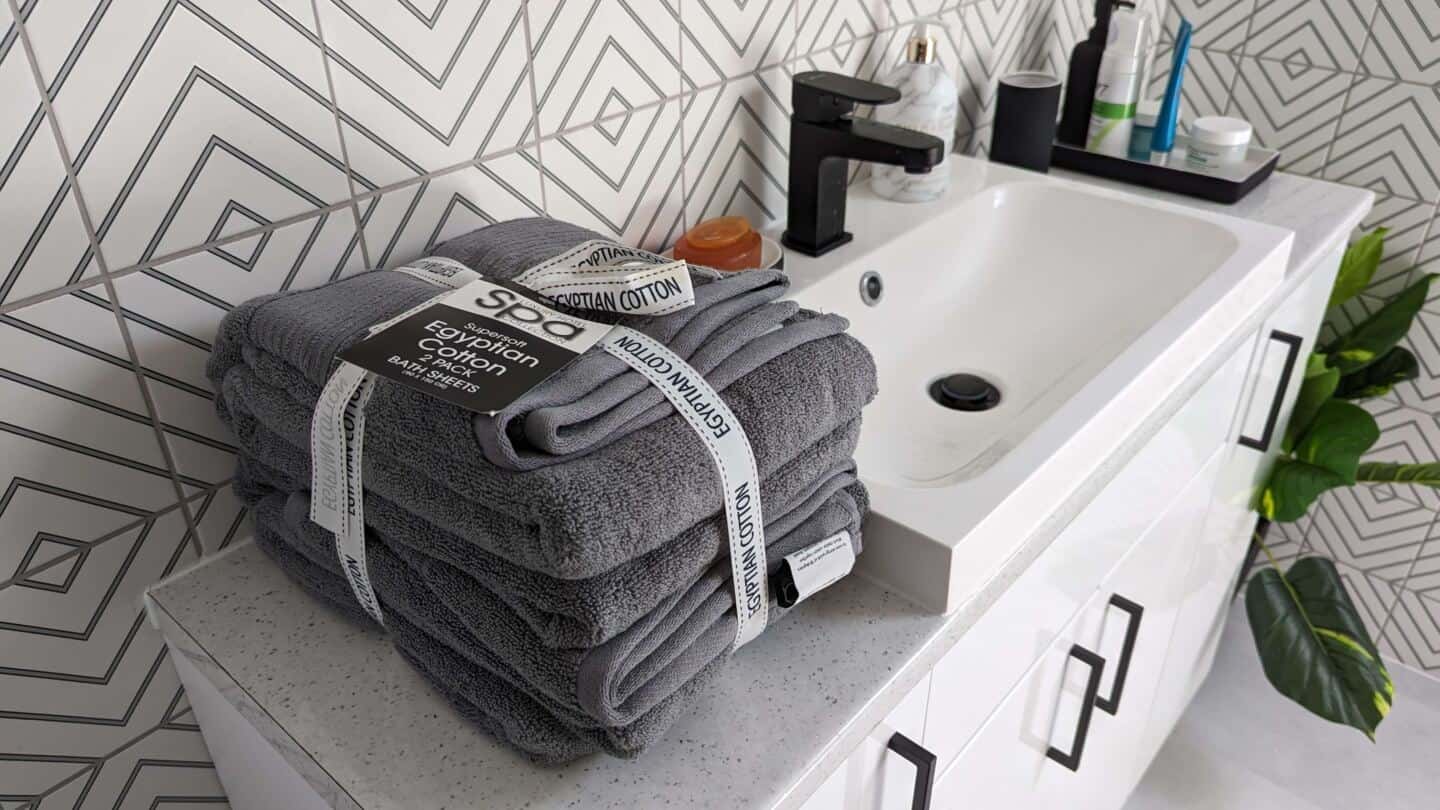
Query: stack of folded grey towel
559, 569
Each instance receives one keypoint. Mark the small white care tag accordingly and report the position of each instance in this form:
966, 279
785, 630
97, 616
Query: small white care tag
480, 347
815, 568
729, 447
612, 278
439, 270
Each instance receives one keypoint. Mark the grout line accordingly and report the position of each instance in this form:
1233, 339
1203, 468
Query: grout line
534, 105
334, 100
1345, 105
90, 233
110, 535
682, 104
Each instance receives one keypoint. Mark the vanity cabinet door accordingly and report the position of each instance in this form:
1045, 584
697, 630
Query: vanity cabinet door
1267, 402
1071, 734
881, 774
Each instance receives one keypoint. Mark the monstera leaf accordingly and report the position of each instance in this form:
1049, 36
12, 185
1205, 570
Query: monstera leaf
1376, 379
1314, 646
1337, 436
1376, 472
1292, 487
1317, 388
1358, 267
1380, 332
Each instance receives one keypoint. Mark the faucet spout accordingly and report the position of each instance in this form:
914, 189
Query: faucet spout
824, 137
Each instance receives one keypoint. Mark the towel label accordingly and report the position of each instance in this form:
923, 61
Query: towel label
480, 347
729, 447
814, 568
439, 270
608, 277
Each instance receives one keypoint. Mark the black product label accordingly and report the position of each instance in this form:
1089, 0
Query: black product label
481, 346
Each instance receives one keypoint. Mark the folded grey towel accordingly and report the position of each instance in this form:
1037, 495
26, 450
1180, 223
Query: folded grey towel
584, 517
613, 685
730, 330
481, 697
584, 612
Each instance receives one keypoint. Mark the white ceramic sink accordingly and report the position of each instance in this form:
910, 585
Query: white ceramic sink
1084, 307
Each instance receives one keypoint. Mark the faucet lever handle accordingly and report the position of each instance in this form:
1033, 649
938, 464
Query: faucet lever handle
819, 97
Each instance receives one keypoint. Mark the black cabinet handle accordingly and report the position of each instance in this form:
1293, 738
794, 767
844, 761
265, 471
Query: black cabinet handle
1292, 353
924, 763
1071, 759
1111, 705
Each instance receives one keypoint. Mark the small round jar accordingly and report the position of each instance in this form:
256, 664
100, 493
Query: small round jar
1217, 142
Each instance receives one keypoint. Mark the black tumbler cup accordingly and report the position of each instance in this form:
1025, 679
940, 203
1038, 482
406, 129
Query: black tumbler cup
1025, 111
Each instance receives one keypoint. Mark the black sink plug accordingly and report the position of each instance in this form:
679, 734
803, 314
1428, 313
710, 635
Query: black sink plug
824, 136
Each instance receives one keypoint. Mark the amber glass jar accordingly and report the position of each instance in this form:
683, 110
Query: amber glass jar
724, 243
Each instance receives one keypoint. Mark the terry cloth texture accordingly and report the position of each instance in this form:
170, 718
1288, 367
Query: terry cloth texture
571, 520
558, 570
735, 326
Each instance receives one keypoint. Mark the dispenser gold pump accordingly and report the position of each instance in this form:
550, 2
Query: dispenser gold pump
920, 48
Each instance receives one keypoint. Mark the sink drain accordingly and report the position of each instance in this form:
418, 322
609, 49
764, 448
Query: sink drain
965, 392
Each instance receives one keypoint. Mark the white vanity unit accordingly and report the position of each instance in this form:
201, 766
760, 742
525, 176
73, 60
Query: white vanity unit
1043, 583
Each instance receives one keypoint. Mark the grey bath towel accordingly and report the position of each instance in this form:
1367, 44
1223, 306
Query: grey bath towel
481, 697
614, 688
584, 517
733, 327
586, 612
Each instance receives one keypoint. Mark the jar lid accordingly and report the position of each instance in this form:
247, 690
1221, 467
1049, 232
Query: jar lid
1221, 131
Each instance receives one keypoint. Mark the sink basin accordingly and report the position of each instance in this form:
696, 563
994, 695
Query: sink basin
1082, 307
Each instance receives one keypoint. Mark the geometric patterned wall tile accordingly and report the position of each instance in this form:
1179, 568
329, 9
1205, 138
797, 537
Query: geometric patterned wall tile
1324, 33
905, 10
42, 240
1408, 436
78, 452
84, 672
1414, 631
826, 23
173, 111
730, 39
221, 519
1374, 599
620, 177
1429, 259
1388, 140
408, 222
737, 137
1294, 107
1210, 77
1407, 222
1423, 340
174, 309
1220, 25
419, 91
1372, 531
1405, 41
994, 33
23, 778
597, 58
864, 57
168, 768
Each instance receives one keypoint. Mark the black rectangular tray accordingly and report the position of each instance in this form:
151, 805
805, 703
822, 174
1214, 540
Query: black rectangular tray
1224, 186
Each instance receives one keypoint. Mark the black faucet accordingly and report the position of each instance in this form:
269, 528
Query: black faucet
824, 137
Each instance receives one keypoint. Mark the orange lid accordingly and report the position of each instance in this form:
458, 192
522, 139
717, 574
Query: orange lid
717, 233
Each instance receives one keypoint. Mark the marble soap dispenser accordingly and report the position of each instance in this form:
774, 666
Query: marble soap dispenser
929, 102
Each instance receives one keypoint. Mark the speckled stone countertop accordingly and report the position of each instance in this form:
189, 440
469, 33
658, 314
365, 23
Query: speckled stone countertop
363, 729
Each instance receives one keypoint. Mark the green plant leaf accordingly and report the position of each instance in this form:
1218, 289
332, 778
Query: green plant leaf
1315, 648
1377, 472
1358, 266
1376, 379
1380, 332
1292, 487
1319, 385
1339, 434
